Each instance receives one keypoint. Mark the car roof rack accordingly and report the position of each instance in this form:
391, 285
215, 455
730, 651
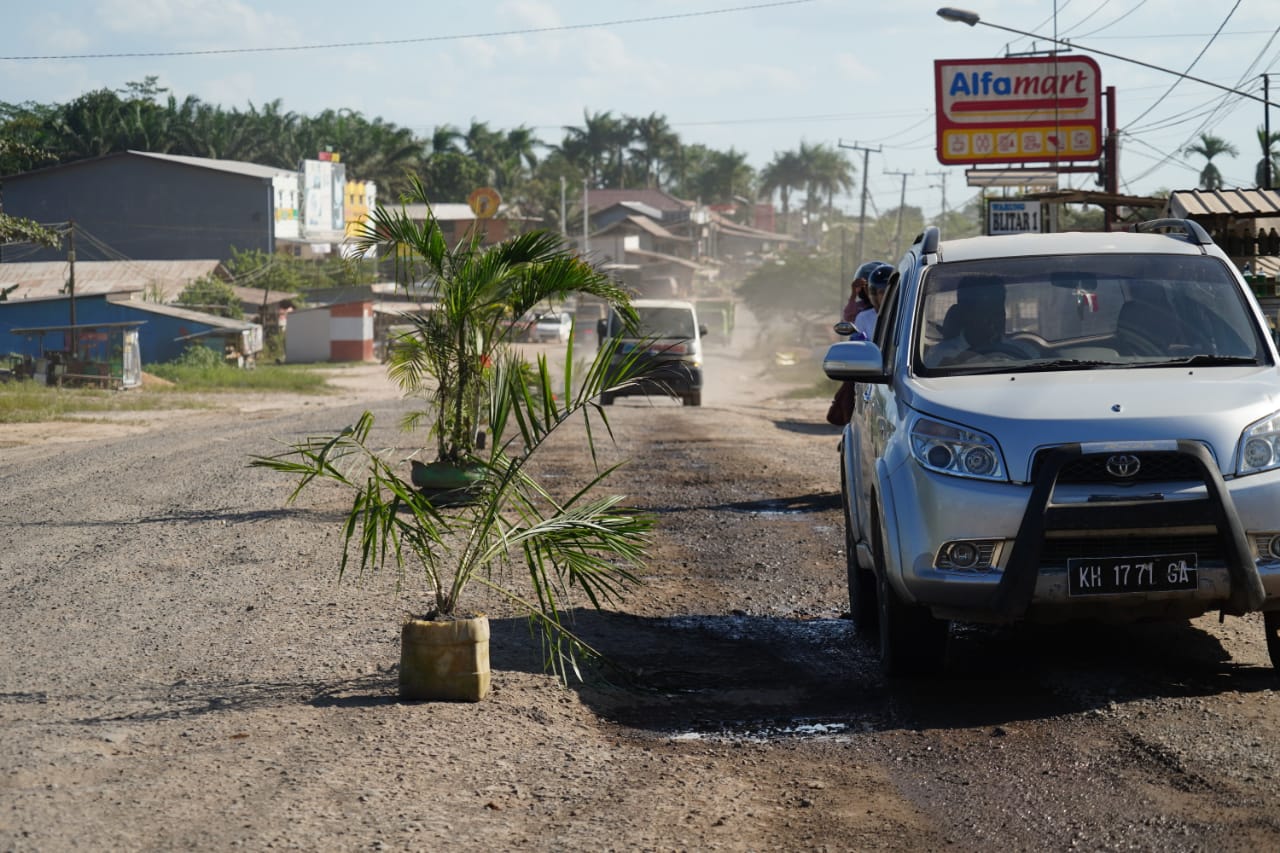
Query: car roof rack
1192, 229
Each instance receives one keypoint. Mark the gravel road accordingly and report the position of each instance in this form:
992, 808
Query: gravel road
183, 670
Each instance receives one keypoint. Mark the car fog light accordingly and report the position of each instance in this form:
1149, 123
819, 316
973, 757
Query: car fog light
964, 555
1274, 546
1257, 453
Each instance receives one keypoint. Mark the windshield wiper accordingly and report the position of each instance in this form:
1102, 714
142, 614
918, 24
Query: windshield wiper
1201, 360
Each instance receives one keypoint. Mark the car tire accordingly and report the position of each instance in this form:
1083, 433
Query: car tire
693, 398
1271, 622
912, 641
863, 608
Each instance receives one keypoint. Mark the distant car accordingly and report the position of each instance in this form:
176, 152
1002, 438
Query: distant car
553, 327
671, 336
1061, 426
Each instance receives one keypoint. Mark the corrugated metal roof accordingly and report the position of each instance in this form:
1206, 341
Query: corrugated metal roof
671, 259
1232, 202
188, 314
239, 167
43, 279
644, 223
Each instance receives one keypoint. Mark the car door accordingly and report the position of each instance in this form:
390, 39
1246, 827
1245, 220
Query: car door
873, 409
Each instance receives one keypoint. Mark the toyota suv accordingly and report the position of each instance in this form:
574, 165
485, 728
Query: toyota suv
1055, 427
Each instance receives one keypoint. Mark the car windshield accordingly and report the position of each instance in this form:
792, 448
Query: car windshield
1082, 312
659, 322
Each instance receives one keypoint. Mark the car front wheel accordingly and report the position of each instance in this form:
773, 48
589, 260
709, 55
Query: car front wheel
862, 584
912, 641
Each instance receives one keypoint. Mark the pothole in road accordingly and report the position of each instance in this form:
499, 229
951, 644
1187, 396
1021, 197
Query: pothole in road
799, 505
841, 729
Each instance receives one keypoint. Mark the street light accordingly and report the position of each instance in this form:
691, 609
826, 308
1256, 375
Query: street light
964, 16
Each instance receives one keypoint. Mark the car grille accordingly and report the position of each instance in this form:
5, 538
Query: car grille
1154, 467
1056, 550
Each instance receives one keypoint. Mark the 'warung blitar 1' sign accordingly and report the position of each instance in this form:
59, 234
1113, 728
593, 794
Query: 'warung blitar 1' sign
1018, 110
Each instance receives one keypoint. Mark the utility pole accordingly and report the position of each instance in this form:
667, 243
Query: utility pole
941, 173
1266, 129
862, 211
902, 202
71, 286
564, 223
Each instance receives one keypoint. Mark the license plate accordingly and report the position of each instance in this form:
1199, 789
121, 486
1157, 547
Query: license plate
1115, 575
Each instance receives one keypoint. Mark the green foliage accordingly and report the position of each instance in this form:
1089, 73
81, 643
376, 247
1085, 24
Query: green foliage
200, 357
795, 288
287, 274
207, 371
212, 296
576, 545
476, 289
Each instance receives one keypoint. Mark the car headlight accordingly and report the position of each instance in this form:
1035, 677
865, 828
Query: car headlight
950, 449
1260, 446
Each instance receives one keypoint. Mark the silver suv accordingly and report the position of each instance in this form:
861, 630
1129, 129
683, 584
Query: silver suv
1061, 426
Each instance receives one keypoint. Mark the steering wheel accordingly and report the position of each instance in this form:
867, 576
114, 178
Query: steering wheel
1000, 348
1135, 343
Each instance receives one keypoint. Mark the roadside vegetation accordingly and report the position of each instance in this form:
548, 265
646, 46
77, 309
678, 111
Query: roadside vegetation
30, 402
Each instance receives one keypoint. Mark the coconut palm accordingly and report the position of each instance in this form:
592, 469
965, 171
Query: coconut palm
1208, 147
581, 543
476, 289
654, 143
781, 175
1270, 154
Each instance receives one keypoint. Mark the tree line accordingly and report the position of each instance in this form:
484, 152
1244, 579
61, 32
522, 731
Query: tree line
606, 151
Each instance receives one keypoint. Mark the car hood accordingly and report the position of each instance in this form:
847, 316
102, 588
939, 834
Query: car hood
1028, 411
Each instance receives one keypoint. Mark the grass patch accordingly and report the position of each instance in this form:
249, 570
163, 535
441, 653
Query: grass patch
30, 402
27, 402
295, 379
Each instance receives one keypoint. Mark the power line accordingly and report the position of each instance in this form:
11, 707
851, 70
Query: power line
421, 40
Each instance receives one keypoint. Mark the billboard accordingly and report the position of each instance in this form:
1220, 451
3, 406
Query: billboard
1018, 109
323, 196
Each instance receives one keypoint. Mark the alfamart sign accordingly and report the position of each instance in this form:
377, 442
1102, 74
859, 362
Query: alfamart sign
1018, 110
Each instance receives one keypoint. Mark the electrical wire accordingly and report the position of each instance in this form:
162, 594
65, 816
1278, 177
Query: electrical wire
1115, 21
1187, 70
420, 40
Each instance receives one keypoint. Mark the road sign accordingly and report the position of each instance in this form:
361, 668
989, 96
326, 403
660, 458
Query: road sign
484, 202
1018, 110
1013, 217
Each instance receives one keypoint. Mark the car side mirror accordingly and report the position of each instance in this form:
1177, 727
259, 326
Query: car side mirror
844, 328
702, 330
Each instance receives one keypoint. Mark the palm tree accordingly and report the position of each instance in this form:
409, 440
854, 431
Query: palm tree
444, 139
1271, 155
831, 173
655, 144
782, 175
596, 148
1208, 147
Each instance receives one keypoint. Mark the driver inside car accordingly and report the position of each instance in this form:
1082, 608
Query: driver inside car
975, 326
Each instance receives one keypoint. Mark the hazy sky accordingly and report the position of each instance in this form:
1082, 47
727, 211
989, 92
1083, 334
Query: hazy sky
757, 76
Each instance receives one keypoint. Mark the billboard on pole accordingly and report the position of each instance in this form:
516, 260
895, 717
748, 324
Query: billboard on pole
1018, 109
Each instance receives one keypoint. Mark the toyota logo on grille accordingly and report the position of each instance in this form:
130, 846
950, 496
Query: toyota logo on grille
1123, 465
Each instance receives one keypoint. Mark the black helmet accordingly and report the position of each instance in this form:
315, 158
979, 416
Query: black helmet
880, 277
865, 270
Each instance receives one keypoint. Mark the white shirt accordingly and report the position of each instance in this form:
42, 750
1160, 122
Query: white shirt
865, 322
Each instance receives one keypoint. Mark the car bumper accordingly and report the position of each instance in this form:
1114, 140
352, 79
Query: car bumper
664, 377
1034, 529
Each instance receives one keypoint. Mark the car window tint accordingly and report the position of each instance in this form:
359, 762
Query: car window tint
1110, 308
